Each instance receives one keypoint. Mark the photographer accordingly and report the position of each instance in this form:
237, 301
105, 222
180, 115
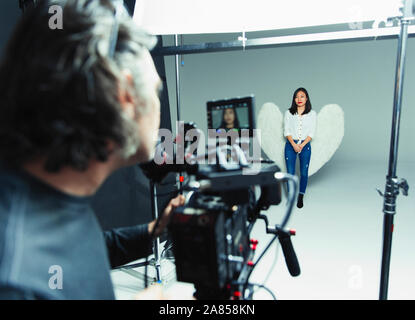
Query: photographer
70, 115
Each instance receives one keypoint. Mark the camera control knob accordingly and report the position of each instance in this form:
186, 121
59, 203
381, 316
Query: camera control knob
254, 241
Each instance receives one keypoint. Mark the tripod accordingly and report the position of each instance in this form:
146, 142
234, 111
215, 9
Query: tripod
156, 261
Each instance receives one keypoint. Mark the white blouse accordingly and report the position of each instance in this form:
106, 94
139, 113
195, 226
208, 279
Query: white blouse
300, 127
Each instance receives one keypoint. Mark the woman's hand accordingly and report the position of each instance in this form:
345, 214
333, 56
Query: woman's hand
297, 148
305, 142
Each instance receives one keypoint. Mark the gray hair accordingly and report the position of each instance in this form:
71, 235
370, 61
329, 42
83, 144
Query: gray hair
62, 103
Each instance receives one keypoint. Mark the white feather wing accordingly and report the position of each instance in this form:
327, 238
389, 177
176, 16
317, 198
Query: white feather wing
271, 124
328, 136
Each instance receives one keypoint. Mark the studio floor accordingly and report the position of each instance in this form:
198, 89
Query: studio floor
338, 242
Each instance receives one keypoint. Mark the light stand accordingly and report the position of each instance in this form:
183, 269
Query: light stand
156, 244
156, 241
393, 183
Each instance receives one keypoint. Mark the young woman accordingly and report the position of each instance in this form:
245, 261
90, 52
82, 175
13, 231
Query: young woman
299, 128
229, 119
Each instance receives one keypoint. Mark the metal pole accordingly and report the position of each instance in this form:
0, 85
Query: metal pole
392, 188
400, 71
176, 42
156, 241
276, 42
181, 143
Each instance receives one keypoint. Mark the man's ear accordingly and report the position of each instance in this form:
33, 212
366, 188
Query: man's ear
125, 96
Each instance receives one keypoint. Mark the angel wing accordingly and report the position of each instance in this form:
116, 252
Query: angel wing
271, 124
328, 136
327, 139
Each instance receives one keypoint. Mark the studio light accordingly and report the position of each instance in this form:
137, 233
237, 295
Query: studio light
164, 17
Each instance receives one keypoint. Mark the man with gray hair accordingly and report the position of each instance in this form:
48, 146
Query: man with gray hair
76, 104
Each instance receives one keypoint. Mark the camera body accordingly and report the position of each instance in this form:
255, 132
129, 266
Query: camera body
211, 233
205, 232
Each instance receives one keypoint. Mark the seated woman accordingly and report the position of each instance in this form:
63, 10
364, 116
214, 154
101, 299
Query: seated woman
299, 129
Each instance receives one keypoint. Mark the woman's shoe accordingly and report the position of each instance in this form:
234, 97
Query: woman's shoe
300, 201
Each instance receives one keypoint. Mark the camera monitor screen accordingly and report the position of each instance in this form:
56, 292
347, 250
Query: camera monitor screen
231, 114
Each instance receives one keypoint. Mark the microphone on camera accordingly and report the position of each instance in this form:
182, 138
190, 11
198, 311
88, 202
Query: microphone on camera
289, 254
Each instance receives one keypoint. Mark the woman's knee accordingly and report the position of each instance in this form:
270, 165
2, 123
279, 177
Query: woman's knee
304, 172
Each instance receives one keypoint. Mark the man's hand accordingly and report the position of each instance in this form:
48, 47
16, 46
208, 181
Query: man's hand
174, 203
154, 292
176, 292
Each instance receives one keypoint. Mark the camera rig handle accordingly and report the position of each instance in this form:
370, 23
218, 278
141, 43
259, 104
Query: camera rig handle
284, 237
291, 260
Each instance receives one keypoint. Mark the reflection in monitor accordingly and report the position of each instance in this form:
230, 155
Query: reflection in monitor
231, 114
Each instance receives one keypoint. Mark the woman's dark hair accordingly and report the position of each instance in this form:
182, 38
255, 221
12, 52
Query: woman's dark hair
293, 108
59, 88
235, 121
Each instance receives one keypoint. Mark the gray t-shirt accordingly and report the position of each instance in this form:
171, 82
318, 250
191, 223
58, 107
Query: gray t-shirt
51, 245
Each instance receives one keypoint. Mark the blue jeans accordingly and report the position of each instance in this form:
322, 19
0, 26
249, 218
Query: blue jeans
291, 158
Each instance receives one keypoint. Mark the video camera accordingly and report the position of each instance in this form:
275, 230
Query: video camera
211, 233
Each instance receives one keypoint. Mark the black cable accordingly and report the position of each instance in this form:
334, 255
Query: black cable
273, 264
257, 285
265, 288
259, 259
